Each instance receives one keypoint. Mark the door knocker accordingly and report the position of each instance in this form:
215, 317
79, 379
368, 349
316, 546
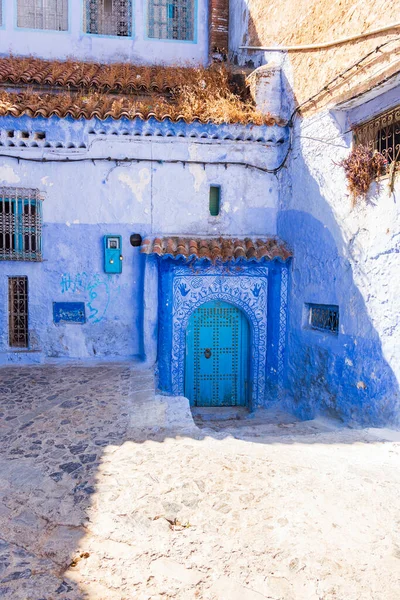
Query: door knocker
207, 353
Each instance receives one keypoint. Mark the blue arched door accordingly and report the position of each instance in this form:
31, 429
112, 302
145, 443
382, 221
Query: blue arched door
216, 369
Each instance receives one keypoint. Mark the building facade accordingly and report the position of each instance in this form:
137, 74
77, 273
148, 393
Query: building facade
177, 32
337, 96
221, 247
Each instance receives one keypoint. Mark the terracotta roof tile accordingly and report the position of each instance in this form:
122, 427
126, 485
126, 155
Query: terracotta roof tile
217, 249
116, 77
35, 87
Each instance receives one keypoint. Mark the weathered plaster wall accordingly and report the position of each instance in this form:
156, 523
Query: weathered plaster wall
284, 22
76, 44
343, 256
148, 194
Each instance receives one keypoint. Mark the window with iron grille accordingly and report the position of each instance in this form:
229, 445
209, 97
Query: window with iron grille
108, 17
18, 312
382, 134
171, 19
43, 14
20, 224
324, 317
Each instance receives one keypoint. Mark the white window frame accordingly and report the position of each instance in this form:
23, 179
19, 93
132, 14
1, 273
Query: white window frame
31, 14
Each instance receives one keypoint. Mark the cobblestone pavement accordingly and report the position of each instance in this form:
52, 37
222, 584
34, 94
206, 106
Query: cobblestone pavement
96, 505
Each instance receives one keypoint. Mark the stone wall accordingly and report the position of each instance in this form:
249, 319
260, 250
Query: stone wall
285, 22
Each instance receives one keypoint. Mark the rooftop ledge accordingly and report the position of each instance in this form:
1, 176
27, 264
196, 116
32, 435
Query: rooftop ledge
217, 94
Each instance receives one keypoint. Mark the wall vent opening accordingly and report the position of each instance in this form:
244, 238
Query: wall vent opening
215, 200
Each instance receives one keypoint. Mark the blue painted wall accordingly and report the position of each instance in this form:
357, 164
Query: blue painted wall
347, 257
147, 195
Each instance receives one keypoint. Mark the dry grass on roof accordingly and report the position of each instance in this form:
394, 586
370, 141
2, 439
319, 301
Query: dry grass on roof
198, 94
116, 77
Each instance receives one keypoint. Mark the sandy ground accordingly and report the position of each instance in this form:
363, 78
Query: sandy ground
94, 507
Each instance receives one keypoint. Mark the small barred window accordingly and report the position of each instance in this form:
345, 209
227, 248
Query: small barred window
171, 19
20, 224
43, 14
382, 134
18, 312
108, 17
324, 317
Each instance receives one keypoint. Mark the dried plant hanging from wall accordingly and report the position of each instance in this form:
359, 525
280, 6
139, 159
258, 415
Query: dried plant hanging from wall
362, 167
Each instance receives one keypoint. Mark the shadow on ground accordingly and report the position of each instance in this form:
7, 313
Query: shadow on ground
97, 504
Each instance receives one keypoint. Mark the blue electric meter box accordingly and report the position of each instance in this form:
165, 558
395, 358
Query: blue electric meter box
113, 254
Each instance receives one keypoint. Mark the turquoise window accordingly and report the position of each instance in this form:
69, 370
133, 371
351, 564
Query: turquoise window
20, 225
171, 19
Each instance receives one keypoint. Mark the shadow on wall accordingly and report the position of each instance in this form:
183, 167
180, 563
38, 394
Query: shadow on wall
346, 375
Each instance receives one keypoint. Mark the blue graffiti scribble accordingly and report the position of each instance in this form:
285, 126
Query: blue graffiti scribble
76, 284
256, 290
99, 294
96, 286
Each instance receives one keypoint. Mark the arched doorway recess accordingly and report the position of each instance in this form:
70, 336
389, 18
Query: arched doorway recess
217, 356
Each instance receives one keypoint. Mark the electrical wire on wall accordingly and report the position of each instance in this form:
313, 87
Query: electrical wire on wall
326, 87
94, 160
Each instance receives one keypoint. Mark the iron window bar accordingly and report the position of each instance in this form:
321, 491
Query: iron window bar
324, 317
20, 224
43, 14
108, 17
171, 19
18, 312
382, 133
